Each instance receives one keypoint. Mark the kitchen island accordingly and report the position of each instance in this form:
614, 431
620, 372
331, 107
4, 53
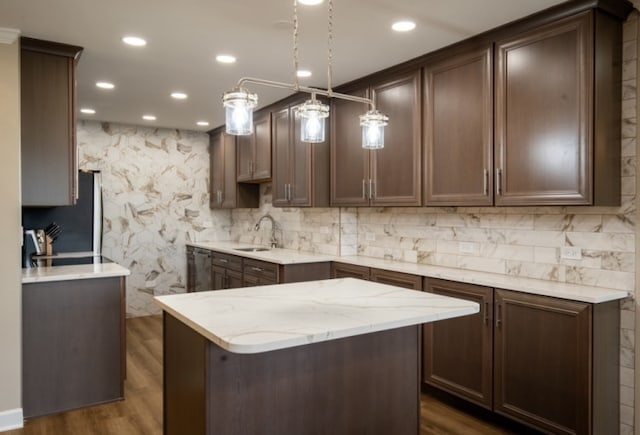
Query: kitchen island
334, 356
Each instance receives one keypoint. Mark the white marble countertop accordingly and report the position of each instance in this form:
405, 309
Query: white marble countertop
266, 318
575, 292
66, 273
273, 255
581, 293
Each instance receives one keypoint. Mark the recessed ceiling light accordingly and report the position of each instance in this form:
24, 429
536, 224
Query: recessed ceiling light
303, 73
134, 40
148, 117
87, 111
105, 85
179, 95
225, 58
310, 2
403, 26
203, 123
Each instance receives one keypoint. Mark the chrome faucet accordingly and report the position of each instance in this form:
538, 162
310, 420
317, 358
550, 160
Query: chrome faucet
274, 241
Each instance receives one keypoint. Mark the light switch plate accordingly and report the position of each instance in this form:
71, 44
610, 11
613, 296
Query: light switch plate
466, 247
571, 253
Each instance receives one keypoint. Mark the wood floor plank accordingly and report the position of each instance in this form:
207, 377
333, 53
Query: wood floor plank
141, 411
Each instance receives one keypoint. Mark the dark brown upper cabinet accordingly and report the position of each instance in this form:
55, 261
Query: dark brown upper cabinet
387, 177
557, 113
225, 191
48, 118
300, 170
458, 128
254, 151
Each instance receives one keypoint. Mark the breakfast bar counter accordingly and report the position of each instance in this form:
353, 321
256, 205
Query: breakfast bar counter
333, 356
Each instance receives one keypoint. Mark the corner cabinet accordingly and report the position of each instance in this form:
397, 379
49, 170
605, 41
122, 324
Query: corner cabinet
254, 151
559, 376
458, 128
48, 122
225, 192
557, 113
387, 177
300, 170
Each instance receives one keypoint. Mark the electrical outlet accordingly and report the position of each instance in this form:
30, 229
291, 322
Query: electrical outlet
571, 253
371, 237
324, 230
466, 247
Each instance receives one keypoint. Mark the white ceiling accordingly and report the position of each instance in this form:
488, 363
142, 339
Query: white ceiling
185, 36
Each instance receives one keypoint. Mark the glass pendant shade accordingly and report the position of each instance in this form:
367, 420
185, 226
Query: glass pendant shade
373, 123
312, 121
239, 105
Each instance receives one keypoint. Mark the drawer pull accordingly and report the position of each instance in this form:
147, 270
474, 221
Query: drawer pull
257, 269
222, 260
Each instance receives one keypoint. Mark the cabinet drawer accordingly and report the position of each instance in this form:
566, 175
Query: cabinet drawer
227, 261
260, 269
343, 270
406, 280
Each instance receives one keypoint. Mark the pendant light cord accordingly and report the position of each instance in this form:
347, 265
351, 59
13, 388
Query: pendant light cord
295, 45
330, 48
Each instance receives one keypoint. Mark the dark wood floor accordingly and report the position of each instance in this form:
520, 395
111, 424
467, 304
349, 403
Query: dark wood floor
141, 412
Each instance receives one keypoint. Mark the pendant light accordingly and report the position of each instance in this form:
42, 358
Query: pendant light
239, 102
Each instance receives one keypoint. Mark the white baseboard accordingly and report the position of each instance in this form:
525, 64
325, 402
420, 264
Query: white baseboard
11, 419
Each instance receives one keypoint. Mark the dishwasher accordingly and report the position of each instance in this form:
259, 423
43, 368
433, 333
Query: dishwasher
202, 265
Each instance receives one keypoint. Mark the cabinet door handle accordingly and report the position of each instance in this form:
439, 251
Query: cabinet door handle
257, 269
250, 166
498, 319
486, 182
486, 313
370, 188
288, 191
222, 260
498, 181
364, 194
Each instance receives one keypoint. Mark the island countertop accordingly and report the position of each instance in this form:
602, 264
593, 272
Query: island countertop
267, 318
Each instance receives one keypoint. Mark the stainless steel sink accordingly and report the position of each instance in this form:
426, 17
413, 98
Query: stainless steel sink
253, 249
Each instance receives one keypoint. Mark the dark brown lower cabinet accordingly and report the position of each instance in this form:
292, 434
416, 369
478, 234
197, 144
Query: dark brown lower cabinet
458, 352
554, 366
256, 272
73, 344
226, 271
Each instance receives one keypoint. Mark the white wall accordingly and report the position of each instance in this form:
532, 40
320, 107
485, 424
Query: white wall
10, 239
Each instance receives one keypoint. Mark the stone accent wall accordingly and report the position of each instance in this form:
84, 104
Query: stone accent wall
156, 198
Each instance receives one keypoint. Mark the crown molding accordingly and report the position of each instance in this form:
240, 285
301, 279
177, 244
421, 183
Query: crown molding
8, 36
